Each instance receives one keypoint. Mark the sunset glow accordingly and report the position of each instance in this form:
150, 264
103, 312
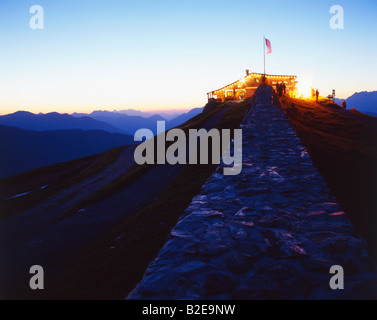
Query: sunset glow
158, 56
304, 88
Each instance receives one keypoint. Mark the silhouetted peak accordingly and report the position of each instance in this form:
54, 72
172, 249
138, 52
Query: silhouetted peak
22, 113
157, 118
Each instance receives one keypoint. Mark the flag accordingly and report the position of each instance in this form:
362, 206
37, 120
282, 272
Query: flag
269, 48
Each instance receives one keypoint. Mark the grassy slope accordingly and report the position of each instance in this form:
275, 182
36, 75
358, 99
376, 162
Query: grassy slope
364, 116
105, 273
345, 152
137, 171
56, 176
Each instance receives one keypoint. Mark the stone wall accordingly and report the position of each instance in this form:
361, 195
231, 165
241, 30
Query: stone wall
272, 232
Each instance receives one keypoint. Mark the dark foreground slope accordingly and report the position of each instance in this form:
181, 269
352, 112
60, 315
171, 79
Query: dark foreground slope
96, 228
343, 145
49, 147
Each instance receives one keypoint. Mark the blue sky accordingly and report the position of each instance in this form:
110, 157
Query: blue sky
153, 55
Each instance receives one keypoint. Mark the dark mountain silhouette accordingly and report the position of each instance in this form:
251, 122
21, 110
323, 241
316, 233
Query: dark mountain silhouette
131, 123
23, 150
183, 118
365, 102
171, 115
168, 115
132, 113
55, 121
128, 112
125, 122
51, 138
339, 101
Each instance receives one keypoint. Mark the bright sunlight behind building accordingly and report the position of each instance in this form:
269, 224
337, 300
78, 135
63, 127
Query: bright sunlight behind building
304, 87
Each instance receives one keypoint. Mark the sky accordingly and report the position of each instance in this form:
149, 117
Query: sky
159, 55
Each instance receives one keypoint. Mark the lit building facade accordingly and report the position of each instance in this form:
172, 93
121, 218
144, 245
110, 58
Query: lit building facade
246, 86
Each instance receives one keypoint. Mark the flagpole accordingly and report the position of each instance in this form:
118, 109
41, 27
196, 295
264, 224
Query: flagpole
264, 54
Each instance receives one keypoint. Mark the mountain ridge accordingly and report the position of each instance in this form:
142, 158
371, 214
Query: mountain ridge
363, 101
55, 121
110, 121
42, 148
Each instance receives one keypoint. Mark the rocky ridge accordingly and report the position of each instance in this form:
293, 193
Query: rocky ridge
272, 232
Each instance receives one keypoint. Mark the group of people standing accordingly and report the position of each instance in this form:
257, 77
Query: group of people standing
281, 89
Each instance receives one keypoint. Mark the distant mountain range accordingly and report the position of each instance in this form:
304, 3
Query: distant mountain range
125, 122
131, 123
168, 115
23, 150
183, 118
45, 139
55, 121
129, 112
110, 121
365, 102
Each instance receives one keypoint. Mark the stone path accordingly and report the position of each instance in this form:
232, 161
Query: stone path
272, 232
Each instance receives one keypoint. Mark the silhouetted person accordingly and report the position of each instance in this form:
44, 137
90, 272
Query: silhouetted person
317, 95
284, 88
344, 105
277, 87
